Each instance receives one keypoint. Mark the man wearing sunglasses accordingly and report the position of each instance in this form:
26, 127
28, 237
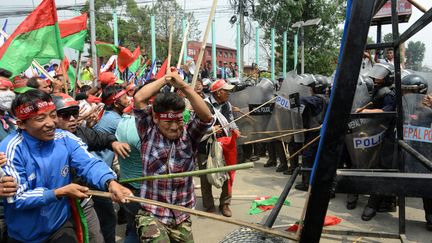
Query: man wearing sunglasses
40, 158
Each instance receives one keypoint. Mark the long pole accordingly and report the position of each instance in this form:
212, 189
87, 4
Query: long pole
273, 55
115, 25
243, 166
197, 213
284, 67
283, 135
76, 75
153, 37
171, 26
204, 43
93, 39
185, 28
239, 51
302, 50
214, 49
242, 32
257, 46
295, 51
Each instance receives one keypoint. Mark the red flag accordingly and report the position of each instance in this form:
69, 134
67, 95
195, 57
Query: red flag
72, 26
162, 70
229, 147
126, 57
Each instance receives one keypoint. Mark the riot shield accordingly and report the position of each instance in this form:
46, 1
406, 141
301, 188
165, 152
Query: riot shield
364, 136
287, 111
246, 100
417, 131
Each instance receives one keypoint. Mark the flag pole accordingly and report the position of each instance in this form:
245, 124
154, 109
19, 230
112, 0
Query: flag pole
171, 25
34, 62
65, 77
203, 44
77, 75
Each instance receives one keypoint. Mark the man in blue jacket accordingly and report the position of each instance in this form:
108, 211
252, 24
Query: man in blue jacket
40, 158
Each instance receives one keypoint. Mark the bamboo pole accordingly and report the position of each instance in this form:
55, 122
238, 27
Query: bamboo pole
183, 47
300, 224
191, 173
304, 147
35, 63
240, 117
171, 23
280, 131
77, 75
197, 213
283, 135
204, 43
418, 5
364, 107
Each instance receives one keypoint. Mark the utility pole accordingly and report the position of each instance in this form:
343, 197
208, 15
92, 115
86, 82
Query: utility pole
242, 7
93, 38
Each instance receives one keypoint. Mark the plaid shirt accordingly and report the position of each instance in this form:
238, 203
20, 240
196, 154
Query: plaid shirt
163, 156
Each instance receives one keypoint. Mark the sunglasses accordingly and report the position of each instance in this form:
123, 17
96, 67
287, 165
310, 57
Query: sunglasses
68, 114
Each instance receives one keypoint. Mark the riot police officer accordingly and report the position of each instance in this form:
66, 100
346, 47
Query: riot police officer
313, 116
418, 113
383, 100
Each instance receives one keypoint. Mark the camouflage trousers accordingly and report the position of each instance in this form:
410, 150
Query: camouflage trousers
149, 229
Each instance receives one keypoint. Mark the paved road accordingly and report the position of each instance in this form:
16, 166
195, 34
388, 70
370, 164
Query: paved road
262, 181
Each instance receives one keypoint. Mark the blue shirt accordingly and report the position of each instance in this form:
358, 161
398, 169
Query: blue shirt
108, 123
39, 168
131, 167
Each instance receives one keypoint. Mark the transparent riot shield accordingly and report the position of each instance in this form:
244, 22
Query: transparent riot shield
246, 100
287, 113
364, 138
417, 131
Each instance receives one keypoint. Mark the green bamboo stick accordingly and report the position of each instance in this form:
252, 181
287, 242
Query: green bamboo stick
191, 173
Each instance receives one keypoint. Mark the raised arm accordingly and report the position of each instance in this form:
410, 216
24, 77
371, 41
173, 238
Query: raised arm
144, 94
198, 104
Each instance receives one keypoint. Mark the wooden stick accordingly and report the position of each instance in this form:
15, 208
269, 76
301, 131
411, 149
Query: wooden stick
171, 24
253, 119
204, 43
64, 77
243, 166
76, 75
418, 5
183, 47
240, 197
240, 117
197, 213
283, 135
300, 224
280, 131
364, 107
35, 63
304, 147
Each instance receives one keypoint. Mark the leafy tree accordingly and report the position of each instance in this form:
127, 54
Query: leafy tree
134, 24
321, 42
415, 54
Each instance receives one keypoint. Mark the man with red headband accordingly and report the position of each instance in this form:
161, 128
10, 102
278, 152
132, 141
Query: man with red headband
40, 158
168, 146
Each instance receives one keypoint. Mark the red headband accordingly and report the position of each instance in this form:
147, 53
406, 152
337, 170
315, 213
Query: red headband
27, 110
169, 116
113, 98
4, 82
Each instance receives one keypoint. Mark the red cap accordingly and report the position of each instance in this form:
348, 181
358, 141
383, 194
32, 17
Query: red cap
107, 78
220, 84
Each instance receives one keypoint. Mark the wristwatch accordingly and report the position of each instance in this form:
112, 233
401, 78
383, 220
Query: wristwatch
108, 182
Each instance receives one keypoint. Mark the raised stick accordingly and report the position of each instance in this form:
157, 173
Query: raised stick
243, 166
283, 135
197, 213
418, 5
181, 53
204, 43
171, 26
304, 147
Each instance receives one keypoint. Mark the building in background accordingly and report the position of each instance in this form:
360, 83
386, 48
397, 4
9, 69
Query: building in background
223, 53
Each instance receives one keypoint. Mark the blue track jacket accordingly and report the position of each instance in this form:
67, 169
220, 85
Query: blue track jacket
40, 168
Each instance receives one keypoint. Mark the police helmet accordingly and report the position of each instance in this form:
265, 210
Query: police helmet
414, 83
383, 71
318, 83
368, 81
63, 101
266, 84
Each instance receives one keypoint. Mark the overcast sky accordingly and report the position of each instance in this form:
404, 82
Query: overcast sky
226, 34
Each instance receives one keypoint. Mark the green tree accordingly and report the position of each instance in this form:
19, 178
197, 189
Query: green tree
134, 24
321, 42
415, 54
